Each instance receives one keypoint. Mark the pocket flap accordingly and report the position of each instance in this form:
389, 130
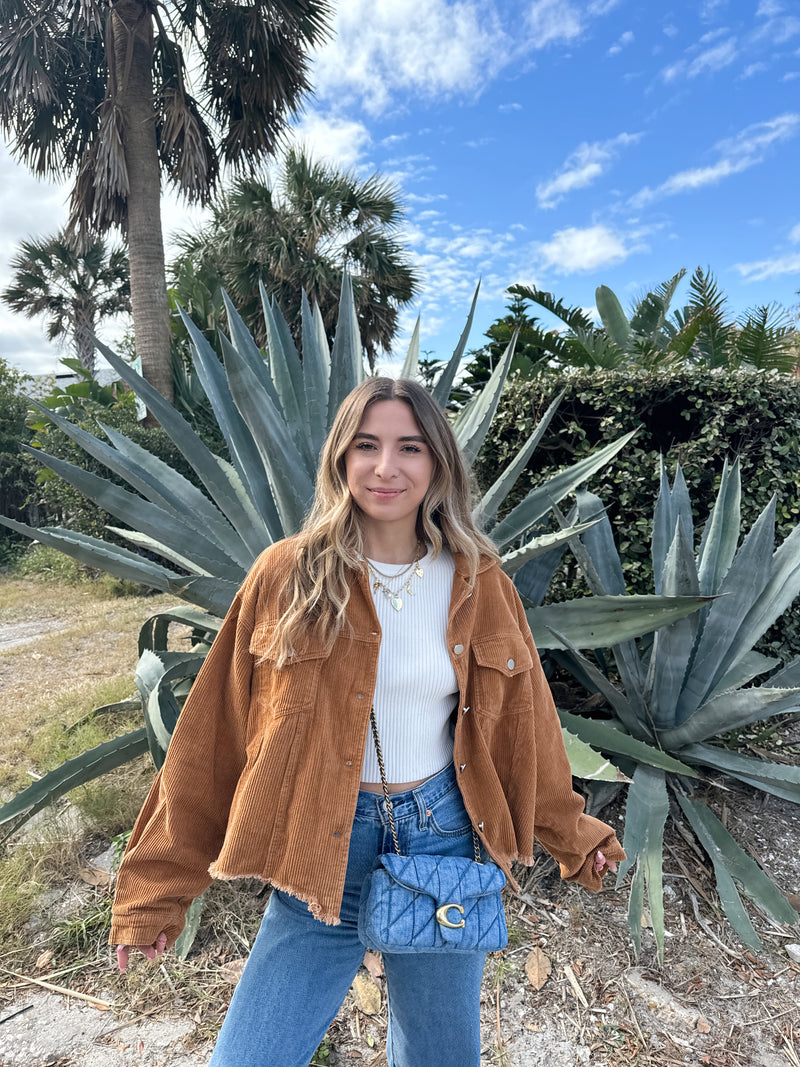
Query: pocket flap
506, 653
262, 639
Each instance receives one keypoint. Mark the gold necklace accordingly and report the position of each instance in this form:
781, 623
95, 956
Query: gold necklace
393, 595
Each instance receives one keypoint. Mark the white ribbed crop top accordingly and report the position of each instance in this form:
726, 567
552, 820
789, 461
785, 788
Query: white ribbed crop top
416, 688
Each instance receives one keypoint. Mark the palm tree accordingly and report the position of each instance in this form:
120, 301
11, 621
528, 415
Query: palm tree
72, 289
299, 235
98, 90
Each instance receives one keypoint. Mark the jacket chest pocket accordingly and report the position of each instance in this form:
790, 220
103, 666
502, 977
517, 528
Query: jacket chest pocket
290, 689
502, 673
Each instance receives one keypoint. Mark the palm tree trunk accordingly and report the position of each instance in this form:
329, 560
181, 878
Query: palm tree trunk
133, 57
83, 337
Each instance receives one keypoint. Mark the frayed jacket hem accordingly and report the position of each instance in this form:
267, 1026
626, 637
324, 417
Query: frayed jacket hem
316, 909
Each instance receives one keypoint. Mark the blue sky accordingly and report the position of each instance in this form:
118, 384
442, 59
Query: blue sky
561, 143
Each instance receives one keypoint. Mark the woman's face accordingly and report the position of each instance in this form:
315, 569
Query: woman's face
389, 468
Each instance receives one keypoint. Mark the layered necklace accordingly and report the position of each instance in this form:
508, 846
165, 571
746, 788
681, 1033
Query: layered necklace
379, 580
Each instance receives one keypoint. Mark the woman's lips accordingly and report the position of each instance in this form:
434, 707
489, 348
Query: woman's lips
387, 494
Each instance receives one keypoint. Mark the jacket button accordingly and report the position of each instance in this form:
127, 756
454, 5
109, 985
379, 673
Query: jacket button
349, 763
511, 665
359, 696
458, 649
480, 826
463, 765
466, 709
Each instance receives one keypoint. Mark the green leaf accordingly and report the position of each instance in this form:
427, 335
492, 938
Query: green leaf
473, 421
411, 362
511, 562
316, 372
749, 667
607, 738
347, 362
603, 621
780, 779
586, 763
539, 501
730, 863
721, 532
486, 512
154, 631
645, 816
443, 387
191, 926
84, 768
613, 317
730, 710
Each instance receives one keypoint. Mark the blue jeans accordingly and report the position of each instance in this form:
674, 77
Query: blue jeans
300, 969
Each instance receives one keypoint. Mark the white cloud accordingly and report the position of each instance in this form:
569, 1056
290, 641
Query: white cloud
332, 139
625, 39
794, 234
736, 154
769, 268
708, 61
393, 139
768, 9
602, 7
510, 107
552, 20
574, 250
670, 30
791, 76
582, 167
754, 68
425, 48
708, 8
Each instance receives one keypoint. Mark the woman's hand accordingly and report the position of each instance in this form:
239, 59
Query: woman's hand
601, 864
151, 951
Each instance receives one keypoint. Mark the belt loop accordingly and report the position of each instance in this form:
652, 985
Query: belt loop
422, 807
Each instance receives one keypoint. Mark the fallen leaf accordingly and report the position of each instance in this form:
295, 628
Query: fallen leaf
94, 876
538, 968
44, 960
373, 964
703, 1025
366, 994
140, 1046
232, 970
646, 920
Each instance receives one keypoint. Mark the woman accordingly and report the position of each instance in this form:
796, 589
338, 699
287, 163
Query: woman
388, 598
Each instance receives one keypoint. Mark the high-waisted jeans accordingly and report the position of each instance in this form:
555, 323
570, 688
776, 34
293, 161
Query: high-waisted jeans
300, 969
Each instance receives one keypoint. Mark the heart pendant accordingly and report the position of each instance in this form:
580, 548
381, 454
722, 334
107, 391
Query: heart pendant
396, 602
418, 571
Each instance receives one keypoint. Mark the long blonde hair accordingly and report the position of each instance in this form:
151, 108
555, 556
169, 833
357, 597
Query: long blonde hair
330, 547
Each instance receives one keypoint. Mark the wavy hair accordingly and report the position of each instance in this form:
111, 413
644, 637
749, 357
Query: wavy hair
330, 547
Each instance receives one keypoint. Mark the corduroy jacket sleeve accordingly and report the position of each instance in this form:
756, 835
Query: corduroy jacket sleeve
571, 837
181, 827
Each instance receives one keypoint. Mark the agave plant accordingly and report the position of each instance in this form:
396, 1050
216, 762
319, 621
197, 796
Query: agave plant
274, 412
691, 684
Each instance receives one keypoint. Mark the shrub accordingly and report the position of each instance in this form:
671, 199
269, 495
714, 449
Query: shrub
693, 417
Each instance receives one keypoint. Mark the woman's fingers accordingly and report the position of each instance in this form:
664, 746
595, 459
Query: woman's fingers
150, 951
601, 863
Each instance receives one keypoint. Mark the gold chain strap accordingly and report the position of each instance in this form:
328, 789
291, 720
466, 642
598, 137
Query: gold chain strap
386, 795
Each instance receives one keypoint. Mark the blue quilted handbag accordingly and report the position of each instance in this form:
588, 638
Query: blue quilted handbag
431, 903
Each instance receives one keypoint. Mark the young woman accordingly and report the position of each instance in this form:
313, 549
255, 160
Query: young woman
388, 598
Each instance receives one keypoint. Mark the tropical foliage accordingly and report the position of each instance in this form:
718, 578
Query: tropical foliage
692, 416
274, 415
72, 288
117, 94
701, 333
298, 235
691, 684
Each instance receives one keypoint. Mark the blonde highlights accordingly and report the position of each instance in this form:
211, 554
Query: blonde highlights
329, 548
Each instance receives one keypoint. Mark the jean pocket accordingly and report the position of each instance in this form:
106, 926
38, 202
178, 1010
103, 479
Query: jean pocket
448, 817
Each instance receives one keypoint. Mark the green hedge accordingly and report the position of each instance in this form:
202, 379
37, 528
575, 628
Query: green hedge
692, 417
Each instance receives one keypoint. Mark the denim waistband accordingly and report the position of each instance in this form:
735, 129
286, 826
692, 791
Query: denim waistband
411, 802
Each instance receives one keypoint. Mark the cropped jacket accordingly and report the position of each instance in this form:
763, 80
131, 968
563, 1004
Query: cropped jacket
263, 770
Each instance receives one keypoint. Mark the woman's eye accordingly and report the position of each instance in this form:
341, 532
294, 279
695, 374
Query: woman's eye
412, 448
363, 446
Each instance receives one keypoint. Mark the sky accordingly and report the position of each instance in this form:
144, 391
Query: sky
557, 143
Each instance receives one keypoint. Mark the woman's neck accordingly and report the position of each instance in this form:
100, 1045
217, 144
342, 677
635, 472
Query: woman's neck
392, 549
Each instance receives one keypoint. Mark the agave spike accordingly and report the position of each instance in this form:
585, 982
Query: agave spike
473, 421
316, 371
607, 738
539, 501
721, 532
540, 546
486, 512
645, 817
347, 363
411, 362
443, 387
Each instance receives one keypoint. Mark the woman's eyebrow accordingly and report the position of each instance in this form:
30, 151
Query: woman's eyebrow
374, 437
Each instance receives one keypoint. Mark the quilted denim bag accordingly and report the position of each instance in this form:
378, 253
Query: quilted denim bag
431, 903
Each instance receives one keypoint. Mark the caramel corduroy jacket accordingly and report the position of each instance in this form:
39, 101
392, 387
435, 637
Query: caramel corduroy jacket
263, 770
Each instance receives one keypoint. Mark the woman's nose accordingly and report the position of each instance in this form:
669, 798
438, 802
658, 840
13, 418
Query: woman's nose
384, 465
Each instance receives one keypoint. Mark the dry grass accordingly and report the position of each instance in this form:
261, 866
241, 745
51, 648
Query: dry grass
51, 681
